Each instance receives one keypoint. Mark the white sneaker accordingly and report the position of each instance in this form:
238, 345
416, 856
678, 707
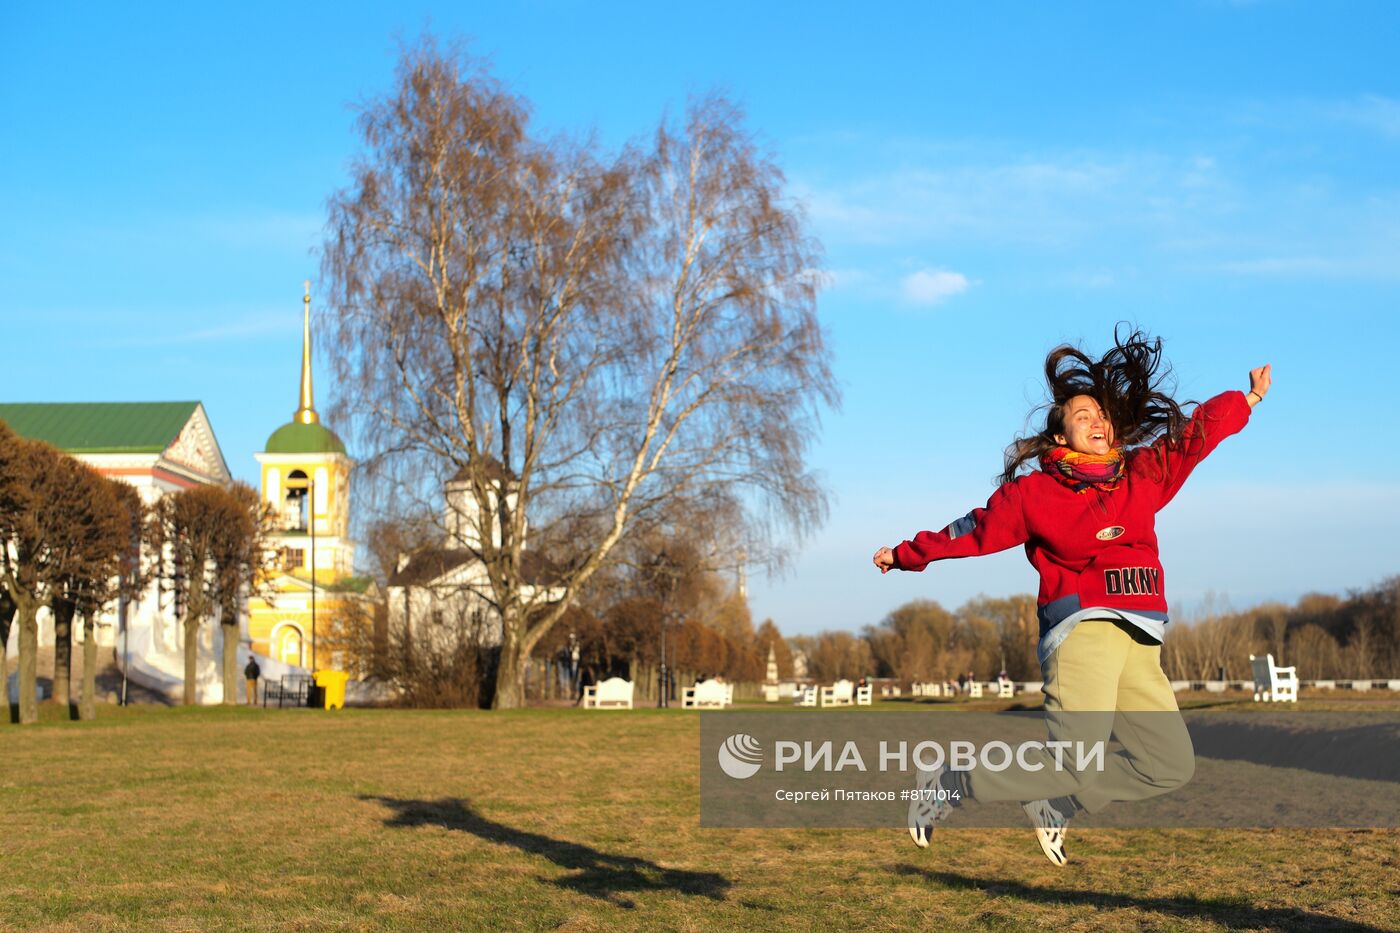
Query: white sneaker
928, 805
1049, 829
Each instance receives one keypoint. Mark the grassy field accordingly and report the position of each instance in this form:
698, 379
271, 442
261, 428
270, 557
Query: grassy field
176, 819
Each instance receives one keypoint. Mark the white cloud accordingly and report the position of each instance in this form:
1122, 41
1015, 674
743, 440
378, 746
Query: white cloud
1203, 211
930, 286
1375, 113
1045, 200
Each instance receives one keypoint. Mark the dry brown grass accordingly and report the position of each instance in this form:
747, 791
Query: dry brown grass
555, 819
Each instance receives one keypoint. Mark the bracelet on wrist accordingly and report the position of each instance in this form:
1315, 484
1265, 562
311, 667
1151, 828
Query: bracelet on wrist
1255, 394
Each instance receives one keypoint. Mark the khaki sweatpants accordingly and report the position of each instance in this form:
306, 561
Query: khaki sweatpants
1102, 681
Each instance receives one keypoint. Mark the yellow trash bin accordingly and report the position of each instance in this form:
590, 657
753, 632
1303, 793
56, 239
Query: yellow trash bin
332, 684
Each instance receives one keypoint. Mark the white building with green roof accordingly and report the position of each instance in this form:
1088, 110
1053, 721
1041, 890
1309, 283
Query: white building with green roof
162, 447
157, 447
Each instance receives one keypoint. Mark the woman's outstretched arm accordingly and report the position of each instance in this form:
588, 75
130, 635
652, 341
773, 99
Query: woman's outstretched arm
999, 526
1211, 422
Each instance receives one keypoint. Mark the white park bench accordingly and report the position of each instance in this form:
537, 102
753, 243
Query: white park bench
974, 689
613, 692
1273, 683
709, 694
864, 695
806, 696
1006, 689
841, 693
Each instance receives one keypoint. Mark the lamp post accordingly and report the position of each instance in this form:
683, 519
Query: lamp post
573, 664
307, 486
663, 701
311, 520
126, 645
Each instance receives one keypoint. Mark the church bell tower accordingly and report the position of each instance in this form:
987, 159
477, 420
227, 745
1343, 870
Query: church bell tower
306, 481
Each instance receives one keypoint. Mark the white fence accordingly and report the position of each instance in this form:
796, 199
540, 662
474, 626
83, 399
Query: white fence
1220, 686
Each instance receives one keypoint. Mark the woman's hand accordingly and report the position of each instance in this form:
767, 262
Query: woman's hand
1259, 381
884, 559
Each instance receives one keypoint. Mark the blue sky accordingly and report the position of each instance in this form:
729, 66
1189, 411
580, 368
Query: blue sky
987, 182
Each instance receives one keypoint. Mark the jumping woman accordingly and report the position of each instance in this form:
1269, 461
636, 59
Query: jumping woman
1116, 448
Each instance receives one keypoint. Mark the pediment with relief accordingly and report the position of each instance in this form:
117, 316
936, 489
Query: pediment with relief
195, 448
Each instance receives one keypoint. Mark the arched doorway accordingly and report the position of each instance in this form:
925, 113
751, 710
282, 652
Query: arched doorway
287, 644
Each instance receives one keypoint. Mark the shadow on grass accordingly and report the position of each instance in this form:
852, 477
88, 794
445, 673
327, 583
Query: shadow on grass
599, 874
1231, 913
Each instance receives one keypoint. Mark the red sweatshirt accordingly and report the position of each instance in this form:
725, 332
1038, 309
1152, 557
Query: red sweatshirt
1091, 549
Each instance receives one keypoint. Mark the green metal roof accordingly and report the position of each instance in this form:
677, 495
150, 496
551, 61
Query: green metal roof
100, 427
297, 438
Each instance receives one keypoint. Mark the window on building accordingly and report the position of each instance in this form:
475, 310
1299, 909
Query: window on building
293, 558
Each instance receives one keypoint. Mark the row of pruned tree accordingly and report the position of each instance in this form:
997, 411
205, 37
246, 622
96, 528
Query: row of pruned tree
80, 544
69, 540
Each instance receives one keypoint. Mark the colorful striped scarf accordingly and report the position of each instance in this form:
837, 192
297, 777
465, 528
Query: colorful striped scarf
1082, 472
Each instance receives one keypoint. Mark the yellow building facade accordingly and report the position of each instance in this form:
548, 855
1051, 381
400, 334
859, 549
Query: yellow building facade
306, 483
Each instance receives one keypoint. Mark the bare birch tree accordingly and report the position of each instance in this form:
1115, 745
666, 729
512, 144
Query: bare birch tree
583, 343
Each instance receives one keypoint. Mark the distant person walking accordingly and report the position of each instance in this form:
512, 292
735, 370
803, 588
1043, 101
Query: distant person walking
585, 680
251, 673
1116, 448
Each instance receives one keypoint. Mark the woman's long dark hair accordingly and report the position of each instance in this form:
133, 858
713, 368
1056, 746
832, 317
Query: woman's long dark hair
1133, 382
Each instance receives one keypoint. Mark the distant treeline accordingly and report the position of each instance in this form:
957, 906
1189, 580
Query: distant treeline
1324, 636
922, 641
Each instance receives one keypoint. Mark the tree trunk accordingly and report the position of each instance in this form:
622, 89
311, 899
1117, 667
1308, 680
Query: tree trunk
28, 660
510, 673
230, 664
87, 705
62, 610
7, 616
191, 659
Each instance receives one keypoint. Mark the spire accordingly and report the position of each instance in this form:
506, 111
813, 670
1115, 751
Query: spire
306, 408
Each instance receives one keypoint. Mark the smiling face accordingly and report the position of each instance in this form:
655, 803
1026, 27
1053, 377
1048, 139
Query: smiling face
1087, 429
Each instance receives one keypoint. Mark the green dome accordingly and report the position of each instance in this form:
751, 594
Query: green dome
297, 438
